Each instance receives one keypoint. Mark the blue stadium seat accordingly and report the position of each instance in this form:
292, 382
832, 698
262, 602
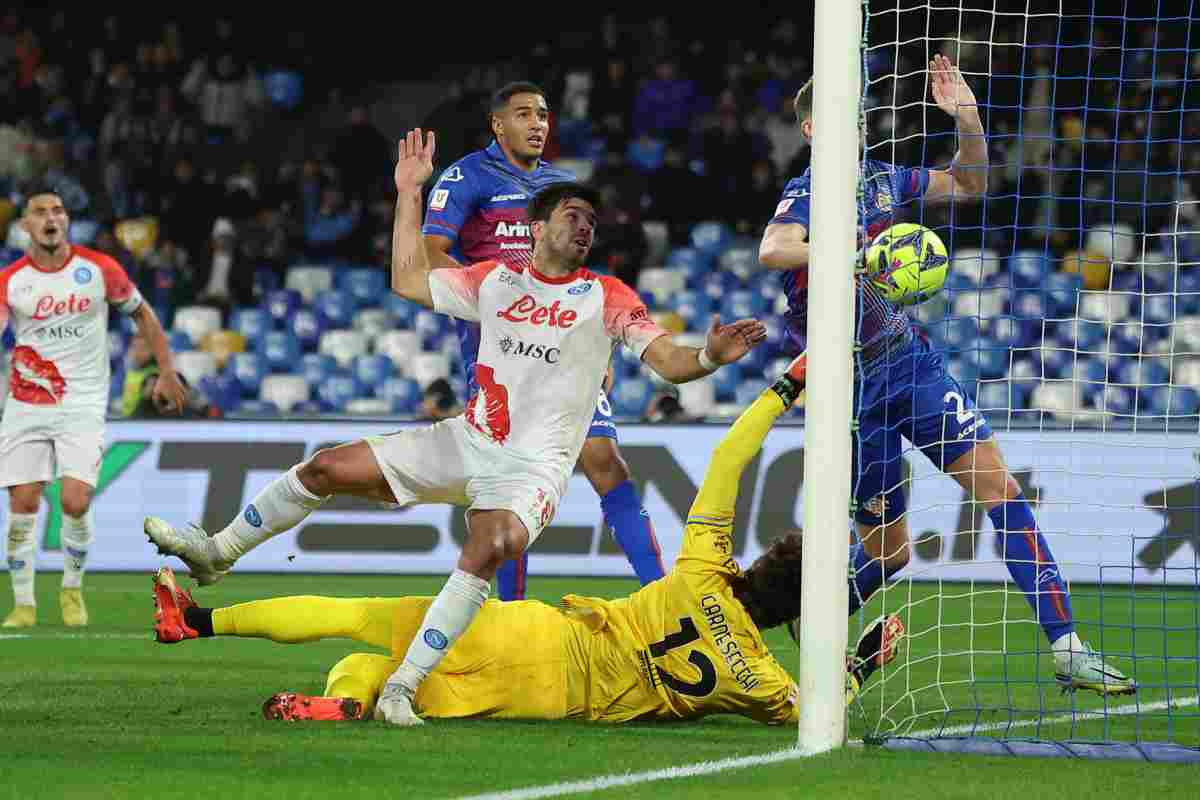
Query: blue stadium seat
253, 323
740, 257
1158, 309
717, 284
693, 264
1093, 377
1187, 292
180, 342
281, 304
748, 391
116, 384
1143, 373
631, 396
1028, 304
1173, 401
284, 88
725, 382
625, 364
403, 312
306, 326
280, 349
117, 345
367, 285
954, 333
403, 393
739, 304
1081, 334
335, 309
1028, 268
258, 408
222, 391
372, 370
1116, 399
317, 368
710, 238
309, 408
995, 396
1126, 280
690, 304
266, 280
1061, 290
431, 327
1057, 362
338, 390
990, 361
248, 369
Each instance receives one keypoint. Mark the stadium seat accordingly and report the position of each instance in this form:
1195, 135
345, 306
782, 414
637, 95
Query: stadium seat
954, 333
631, 396
657, 241
369, 407
1092, 376
252, 323
740, 304
1028, 268
717, 284
335, 309
343, 346
266, 280
223, 344
309, 281
977, 265
698, 397
248, 369
309, 408
367, 285
373, 322
669, 321
1062, 293
403, 394
661, 282
1186, 372
1169, 401
690, 260
747, 392
710, 238
221, 390
197, 321
1143, 373
1056, 362
1105, 306
625, 363
281, 304
740, 258
372, 370
1081, 335
725, 382
180, 342
281, 350
283, 88
316, 368
1061, 398
994, 396
425, 368
284, 391
306, 326
431, 327
194, 365
1115, 241
337, 391
983, 304
1159, 309
990, 360
403, 312
118, 344
399, 346
1028, 304
257, 408
690, 304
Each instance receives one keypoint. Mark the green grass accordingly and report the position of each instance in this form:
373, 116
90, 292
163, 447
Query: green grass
107, 712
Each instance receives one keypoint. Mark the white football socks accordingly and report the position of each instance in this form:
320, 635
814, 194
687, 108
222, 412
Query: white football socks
281, 506
1063, 647
450, 614
76, 540
21, 557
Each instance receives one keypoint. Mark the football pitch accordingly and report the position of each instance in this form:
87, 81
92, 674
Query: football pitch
107, 712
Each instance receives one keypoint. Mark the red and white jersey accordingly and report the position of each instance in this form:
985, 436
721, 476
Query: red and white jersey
60, 321
545, 344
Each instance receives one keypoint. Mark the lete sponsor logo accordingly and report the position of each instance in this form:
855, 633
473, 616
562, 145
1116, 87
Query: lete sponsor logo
49, 306
527, 309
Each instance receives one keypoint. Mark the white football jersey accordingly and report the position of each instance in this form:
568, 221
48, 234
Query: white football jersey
60, 321
545, 344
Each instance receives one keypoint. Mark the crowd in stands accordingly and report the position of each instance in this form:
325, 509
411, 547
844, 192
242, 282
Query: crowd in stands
270, 271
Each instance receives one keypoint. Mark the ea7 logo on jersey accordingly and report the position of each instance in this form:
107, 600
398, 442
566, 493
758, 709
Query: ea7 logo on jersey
582, 288
438, 201
783, 206
452, 175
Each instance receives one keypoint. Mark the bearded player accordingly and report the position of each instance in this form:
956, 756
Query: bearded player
683, 647
57, 298
545, 345
477, 211
903, 388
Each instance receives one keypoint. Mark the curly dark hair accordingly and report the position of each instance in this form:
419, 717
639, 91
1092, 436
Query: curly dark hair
544, 202
770, 589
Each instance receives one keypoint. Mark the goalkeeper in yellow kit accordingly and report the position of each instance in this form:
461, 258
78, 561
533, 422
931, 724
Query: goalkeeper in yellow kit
685, 646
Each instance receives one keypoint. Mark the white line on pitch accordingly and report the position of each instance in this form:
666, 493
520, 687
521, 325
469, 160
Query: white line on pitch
1077, 716
145, 636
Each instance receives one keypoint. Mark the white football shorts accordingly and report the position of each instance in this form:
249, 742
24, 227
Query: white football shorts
448, 462
42, 443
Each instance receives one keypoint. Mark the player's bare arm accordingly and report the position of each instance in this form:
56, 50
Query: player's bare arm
169, 393
725, 344
784, 246
437, 248
967, 176
410, 261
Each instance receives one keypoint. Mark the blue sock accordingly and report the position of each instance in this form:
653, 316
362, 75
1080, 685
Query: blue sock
868, 576
632, 529
510, 578
1032, 566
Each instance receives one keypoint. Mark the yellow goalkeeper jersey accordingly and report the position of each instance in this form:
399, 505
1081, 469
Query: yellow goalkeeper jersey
683, 647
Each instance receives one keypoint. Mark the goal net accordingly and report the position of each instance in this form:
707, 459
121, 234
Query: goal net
1071, 315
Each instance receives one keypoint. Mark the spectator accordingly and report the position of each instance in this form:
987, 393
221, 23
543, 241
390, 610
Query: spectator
610, 103
225, 97
665, 103
187, 206
678, 196
361, 154
226, 280
439, 401
329, 220
620, 242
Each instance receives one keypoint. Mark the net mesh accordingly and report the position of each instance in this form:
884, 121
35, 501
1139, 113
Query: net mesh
1071, 317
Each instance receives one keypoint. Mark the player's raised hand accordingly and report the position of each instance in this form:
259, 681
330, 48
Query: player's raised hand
168, 394
950, 90
728, 343
414, 162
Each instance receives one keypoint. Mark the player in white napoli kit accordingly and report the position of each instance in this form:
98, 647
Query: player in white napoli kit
56, 298
547, 334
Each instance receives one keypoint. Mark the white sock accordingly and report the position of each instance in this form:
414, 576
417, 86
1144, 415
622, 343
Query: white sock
448, 617
1063, 646
281, 506
21, 557
76, 539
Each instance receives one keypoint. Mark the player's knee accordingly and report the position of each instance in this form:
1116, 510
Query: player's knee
76, 503
320, 473
603, 465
